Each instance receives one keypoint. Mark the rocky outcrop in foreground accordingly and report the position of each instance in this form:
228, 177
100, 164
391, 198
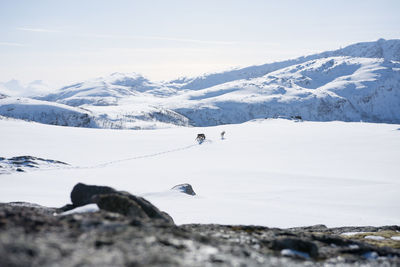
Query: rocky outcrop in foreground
129, 231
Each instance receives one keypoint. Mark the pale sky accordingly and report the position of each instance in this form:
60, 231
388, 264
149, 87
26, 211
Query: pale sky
66, 41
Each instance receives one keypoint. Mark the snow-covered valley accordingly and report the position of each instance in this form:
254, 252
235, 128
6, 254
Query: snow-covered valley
267, 172
310, 140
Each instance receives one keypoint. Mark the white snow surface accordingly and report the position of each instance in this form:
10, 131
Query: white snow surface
105, 91
82, 209
374, 237
276, 172
360, 82
352, 233
45, 112
294, 253
334, 88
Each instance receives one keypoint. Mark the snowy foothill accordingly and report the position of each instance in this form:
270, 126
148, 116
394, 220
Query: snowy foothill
274, 172
44, 112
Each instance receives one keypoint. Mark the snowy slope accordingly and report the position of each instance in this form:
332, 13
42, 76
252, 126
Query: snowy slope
335, 88
386, 49
275, 173
132, 115
358, 82
136, 113
106, 91
45, 112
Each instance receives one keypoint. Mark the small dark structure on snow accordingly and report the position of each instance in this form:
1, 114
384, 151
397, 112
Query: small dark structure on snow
200, 137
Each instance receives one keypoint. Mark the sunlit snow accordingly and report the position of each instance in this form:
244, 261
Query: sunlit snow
267, 172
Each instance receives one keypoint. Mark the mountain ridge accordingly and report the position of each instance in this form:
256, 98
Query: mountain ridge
360, 82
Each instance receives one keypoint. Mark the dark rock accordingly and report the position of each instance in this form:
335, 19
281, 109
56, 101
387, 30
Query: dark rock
30, 235
312, 228
24, 163
297, 117
66, 208
122, 202
184, 188
82, 194
167, 217
152, 211
22, 160
296, 244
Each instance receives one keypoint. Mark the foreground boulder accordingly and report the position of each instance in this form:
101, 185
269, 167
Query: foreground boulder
31, 235
128, 230
122, 202
83, 194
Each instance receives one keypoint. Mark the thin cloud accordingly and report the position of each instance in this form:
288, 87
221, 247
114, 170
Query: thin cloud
35, 29
183, 40
186, 40
142, 37
11, 44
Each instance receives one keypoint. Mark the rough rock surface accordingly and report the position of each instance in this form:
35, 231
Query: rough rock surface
184, 188
122, 202
24, 163
31, 235
130, 231
82, 194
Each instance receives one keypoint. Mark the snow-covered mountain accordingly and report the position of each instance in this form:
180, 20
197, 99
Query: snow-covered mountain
387, 49
105, 91
45, 112
358, 82
334, 88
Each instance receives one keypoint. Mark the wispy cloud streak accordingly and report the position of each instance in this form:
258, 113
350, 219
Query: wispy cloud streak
160, 38
11, 44
35, 29
183, 40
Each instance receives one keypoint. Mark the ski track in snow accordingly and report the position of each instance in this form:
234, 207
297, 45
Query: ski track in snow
139, 157
105, 164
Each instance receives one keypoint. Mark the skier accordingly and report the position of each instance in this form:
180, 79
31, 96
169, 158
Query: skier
222, 135
200, 138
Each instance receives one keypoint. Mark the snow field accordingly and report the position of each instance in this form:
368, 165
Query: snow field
275, 173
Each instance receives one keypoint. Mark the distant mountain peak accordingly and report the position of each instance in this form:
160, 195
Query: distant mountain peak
386, 49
